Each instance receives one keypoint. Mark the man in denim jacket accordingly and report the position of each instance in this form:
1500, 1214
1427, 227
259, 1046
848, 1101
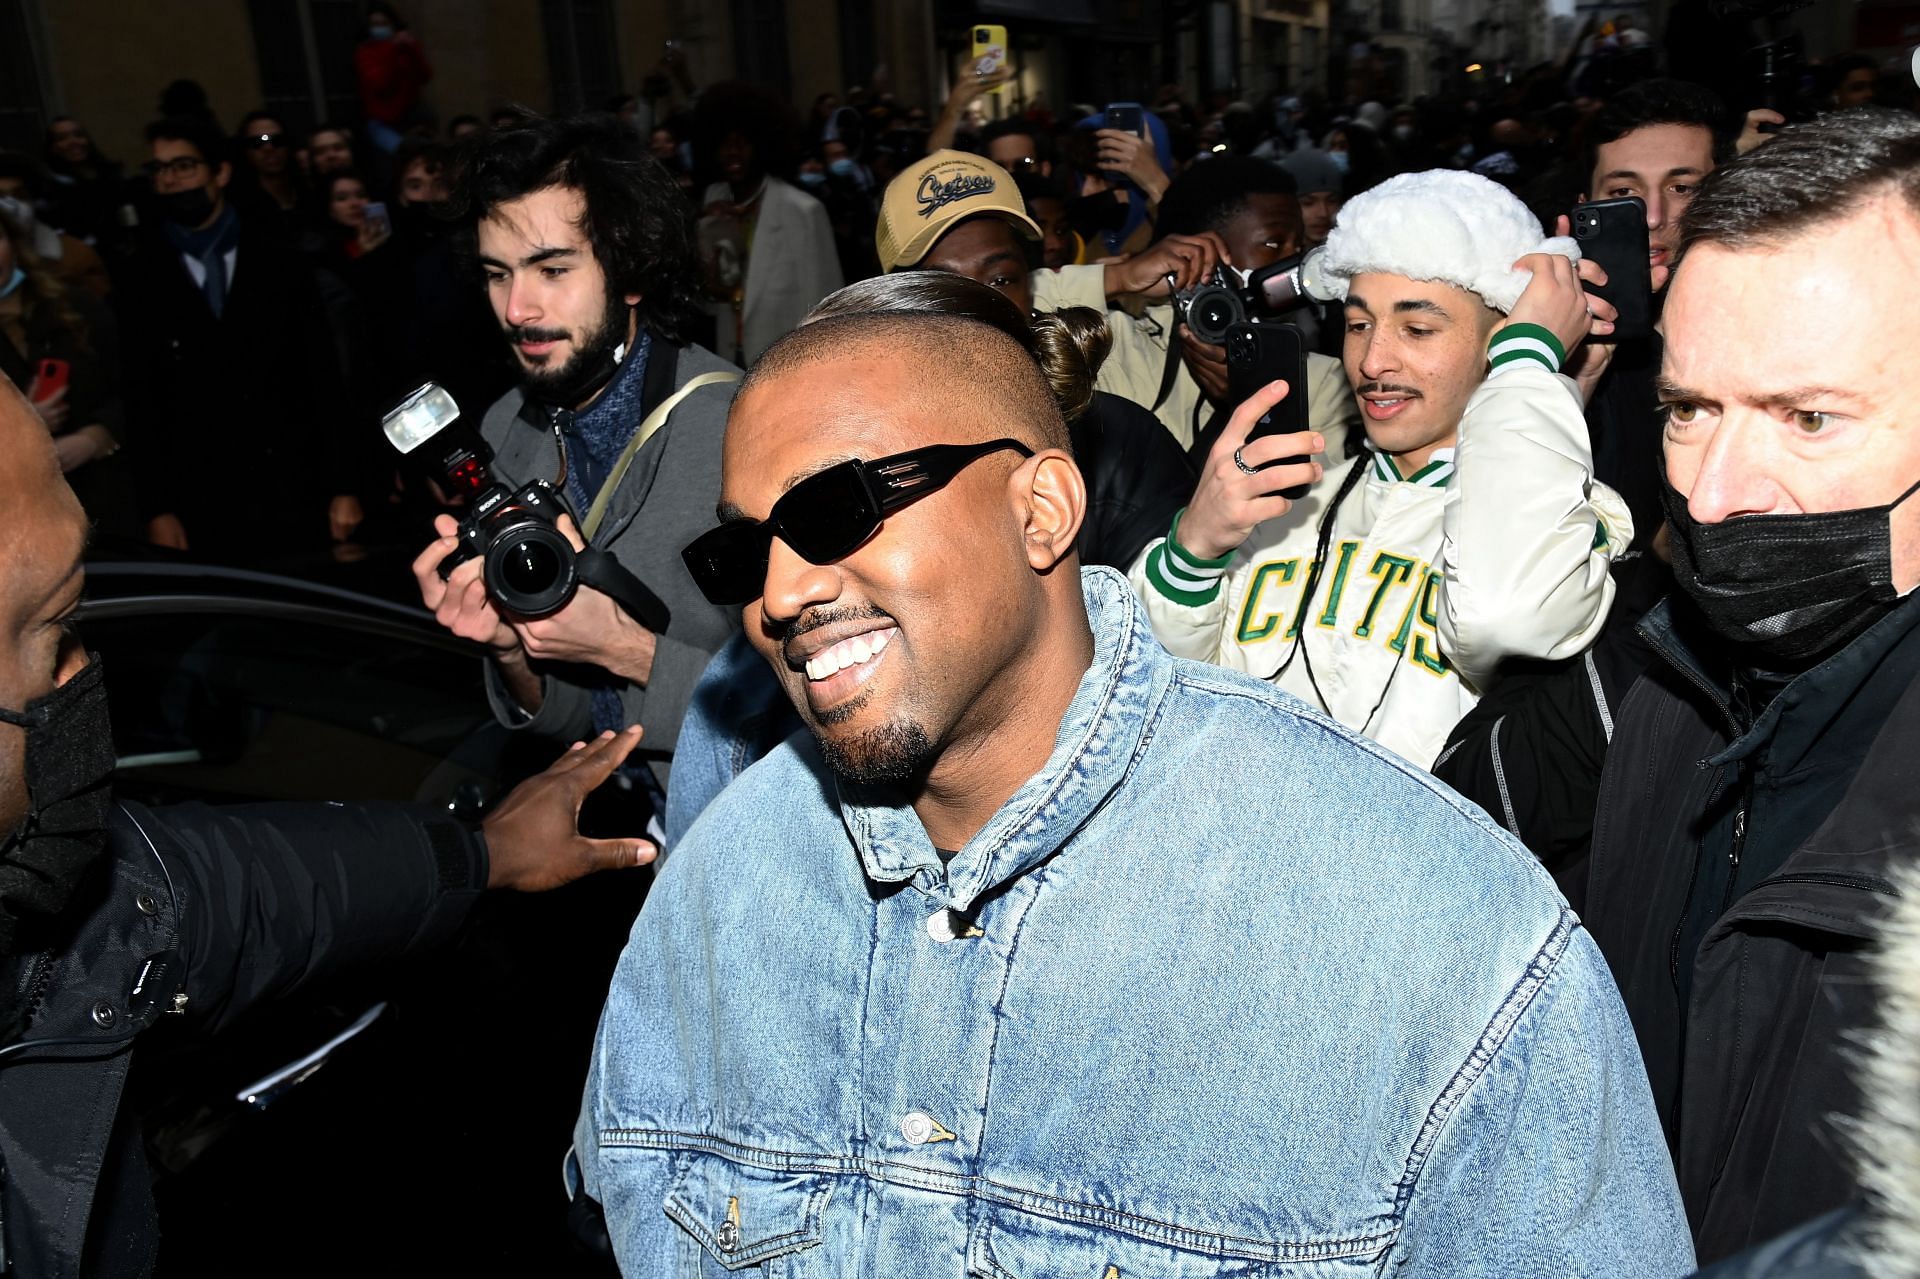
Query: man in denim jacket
1045, 953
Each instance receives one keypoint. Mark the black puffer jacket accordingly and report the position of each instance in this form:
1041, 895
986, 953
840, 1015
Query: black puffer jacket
207, 913
1743, 852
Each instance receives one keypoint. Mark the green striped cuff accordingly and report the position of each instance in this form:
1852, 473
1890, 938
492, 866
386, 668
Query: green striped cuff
1182, 576
1529, 342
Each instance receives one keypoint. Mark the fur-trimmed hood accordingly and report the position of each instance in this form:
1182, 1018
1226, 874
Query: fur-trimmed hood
1888, 1133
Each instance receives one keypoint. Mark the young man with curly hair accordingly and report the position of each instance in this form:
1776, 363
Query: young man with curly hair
589, 265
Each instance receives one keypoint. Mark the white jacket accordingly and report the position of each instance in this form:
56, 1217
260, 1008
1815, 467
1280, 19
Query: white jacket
1138, 361
792, 265
1496, 549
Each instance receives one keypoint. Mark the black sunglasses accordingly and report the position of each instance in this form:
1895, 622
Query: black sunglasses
825, 516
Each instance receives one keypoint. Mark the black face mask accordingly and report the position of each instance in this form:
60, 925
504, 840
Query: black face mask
1091, 215
190, 208
1786, 588
69, 776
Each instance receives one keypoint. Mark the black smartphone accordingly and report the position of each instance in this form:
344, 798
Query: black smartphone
1128, 117
1614, 234
1261, 353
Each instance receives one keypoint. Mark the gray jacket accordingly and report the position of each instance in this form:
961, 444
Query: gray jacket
666, 500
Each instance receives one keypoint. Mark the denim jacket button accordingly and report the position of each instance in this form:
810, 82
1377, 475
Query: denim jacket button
940, 925
916, 1128
727, 1236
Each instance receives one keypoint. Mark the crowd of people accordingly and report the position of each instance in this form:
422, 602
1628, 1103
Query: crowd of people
1117, 814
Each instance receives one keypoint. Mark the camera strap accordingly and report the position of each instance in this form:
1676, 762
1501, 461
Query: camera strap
597, 513
1171, 369
611, 578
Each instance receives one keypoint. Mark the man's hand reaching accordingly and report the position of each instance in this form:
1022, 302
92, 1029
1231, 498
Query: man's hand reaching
533, 838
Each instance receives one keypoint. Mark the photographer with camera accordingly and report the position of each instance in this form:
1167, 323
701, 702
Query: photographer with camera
959, 213
1229, 216
610, 445
1469, 531
113, 915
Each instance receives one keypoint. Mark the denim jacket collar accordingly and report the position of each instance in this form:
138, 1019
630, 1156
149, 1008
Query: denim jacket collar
1099, 737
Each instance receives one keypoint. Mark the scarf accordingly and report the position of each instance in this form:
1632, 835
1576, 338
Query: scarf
210, 245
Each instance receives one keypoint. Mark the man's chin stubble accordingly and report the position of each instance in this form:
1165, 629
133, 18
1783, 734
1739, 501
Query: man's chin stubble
887, 755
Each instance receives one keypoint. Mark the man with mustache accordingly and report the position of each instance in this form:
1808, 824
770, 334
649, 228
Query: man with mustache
1470, 529
1046, 953
590, 269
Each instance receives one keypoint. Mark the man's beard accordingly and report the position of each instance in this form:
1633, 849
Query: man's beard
591, 366
887, 755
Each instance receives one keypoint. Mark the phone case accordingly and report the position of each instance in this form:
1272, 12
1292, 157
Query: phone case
1614, 234
1128, 117
1261, 353
989, 49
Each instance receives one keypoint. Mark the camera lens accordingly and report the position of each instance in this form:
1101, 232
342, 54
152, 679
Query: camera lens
530, 569
1212, 312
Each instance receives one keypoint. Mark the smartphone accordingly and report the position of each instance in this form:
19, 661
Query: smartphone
989, 50
378, 223
1261, 353
49, 379
1614, 234
1128, 117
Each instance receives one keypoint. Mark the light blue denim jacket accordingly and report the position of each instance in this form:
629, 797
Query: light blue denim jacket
1223, 990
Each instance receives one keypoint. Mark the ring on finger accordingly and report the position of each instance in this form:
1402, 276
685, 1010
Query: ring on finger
1241, 462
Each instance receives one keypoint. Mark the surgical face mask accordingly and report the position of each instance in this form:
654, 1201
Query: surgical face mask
14, 281
1786, 589
841, 168
19, 212
813, 181
1339, 159
69, 774
380, 31
1403, 133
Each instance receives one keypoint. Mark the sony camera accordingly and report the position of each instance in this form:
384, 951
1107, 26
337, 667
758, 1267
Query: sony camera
1211, 309
530, 567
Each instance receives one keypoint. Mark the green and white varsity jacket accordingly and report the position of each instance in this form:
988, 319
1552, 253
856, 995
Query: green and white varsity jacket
1497, 548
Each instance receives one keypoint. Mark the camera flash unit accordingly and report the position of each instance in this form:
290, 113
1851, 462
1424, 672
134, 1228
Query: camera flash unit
419, 417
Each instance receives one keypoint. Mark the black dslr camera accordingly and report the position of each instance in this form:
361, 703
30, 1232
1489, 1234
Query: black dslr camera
1211, 309
530, 568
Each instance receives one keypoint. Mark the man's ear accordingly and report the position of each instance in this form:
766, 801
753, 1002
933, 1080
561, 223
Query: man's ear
1055, 501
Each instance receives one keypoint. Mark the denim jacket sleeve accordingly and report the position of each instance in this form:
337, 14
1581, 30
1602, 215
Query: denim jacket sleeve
1553, 1163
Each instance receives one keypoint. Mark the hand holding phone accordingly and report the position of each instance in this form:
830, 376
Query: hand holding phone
1236, 490
377, 225
49, 380
1257, 356
1613, 233
990, 54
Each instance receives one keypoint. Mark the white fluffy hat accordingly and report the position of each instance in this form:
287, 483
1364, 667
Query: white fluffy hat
1454, 227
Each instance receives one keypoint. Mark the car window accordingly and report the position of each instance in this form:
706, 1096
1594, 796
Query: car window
301, 703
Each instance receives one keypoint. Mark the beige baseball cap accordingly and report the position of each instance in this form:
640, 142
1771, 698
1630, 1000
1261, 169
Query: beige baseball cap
926, 200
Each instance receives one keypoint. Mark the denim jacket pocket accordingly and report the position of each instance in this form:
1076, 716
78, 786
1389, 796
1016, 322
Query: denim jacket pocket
1012, 1244
743, 1219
